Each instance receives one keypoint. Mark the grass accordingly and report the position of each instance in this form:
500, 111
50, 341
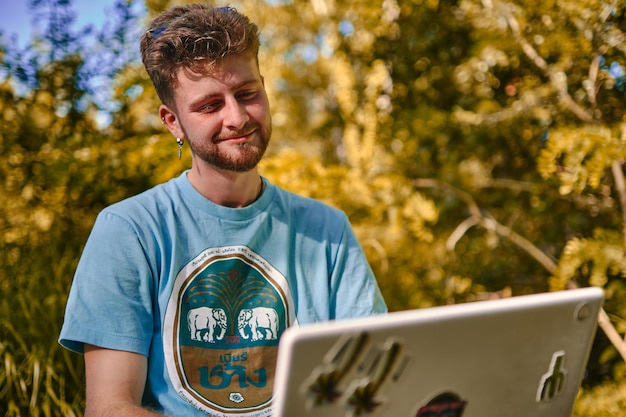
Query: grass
37, 376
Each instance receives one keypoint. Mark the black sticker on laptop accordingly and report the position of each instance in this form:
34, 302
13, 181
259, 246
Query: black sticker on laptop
447, 404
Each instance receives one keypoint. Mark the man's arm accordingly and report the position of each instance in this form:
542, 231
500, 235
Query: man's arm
115, 383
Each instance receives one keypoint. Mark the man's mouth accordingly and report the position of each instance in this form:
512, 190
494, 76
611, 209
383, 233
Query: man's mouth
235, 138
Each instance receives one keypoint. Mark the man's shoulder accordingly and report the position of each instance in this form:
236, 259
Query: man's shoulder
154, 198
303, 201
307, 206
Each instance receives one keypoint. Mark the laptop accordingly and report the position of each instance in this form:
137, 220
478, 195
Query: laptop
518, 357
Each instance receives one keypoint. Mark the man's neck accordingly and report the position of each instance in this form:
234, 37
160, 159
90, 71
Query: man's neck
227, 188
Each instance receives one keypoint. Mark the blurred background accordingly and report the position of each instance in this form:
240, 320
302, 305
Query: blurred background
477, 147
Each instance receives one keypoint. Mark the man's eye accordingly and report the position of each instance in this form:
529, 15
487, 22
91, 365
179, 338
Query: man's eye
209, 107
246, 95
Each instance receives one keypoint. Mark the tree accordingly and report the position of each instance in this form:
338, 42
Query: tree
500, 121
55, 156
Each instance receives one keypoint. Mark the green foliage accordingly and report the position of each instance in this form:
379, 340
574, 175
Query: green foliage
56, 171
477, 147
39, 377
607, 400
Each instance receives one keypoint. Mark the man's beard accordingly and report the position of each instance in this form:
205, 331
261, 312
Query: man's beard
239, 157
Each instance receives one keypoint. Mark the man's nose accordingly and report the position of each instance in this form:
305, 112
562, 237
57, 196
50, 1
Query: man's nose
235, 114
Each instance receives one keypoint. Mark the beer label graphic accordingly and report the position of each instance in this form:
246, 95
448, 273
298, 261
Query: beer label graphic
223, 321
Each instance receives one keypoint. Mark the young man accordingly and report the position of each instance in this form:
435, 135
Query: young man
183, 291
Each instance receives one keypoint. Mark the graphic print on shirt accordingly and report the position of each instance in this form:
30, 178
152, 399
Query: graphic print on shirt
223, 321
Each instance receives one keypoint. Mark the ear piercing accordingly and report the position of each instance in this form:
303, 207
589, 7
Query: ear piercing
180, 142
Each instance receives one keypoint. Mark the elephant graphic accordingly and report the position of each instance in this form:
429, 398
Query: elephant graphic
203, 321
259, 323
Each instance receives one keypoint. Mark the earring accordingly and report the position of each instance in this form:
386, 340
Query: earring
180, 142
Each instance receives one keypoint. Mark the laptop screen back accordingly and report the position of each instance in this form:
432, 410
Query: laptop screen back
522, 356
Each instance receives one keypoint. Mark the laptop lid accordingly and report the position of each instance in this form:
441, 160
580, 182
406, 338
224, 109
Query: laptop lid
521, 356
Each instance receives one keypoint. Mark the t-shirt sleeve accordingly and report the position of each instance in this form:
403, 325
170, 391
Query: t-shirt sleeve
110, 303
354, 290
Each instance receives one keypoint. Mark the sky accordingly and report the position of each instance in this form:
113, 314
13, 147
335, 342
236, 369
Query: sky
14, 17
16, 20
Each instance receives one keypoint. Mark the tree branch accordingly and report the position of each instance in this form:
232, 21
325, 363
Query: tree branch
618, 177
557, 78
489, 223
609, 330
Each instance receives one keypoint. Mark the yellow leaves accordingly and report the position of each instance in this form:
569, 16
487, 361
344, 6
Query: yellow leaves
291, 170
363, 115
343, 81
378, 79
83, 154
594, 258
476, 76
17, 225
42, 218
608, 399
40, 113
27, 213
362, 41
474, 172
417, 211
459, 285
383, 204
579, 156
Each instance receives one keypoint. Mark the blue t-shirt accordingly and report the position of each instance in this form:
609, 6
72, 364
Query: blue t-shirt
205, 291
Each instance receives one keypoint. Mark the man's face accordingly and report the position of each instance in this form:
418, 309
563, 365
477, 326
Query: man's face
225, 117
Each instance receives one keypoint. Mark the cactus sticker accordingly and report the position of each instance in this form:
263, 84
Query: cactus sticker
226, 313
353, 375
553, 382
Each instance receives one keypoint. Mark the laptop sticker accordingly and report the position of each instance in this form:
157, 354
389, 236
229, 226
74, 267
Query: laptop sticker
353, 374
363, 394
447, 404
553, 382
324, 386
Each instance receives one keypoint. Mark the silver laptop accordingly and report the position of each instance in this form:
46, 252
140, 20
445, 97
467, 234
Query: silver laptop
519, 357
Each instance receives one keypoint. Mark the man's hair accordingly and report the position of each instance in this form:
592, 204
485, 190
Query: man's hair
194, 37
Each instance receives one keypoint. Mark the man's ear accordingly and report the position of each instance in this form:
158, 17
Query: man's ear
170, 120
